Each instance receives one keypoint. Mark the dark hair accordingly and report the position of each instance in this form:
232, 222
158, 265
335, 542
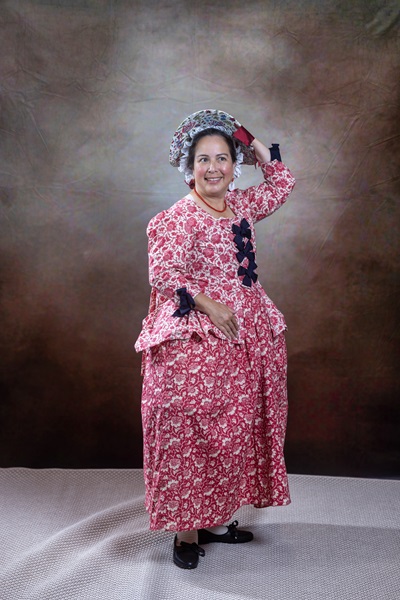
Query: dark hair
205, 133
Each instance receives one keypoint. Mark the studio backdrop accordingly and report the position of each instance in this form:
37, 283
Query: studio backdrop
91, 92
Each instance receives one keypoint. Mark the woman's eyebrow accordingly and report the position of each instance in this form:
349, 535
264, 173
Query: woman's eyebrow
220, 154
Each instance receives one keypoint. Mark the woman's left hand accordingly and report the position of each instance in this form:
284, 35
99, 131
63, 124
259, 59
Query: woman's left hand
219, 314
262, 152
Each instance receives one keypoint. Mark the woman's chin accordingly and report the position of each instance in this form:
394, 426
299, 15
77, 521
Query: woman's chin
213, 189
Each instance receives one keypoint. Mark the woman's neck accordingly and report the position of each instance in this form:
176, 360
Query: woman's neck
217, 207
218, 204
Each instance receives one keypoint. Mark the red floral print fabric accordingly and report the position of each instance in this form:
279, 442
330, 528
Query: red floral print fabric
214, 410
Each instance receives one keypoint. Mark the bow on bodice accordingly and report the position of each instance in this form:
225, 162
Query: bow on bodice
245, 248
241, 231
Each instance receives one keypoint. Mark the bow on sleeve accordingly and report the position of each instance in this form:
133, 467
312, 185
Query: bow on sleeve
186, 303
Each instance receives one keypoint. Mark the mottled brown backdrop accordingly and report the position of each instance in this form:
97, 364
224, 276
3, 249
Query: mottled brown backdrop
90, 94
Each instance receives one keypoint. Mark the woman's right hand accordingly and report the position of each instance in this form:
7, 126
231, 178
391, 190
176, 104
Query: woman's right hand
219, 314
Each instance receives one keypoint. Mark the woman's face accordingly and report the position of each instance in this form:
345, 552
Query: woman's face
213, 166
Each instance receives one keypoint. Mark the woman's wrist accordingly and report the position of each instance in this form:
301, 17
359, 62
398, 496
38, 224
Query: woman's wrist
202, 302
261, 151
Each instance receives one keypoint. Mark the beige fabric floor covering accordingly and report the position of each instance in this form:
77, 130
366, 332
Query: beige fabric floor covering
83, 534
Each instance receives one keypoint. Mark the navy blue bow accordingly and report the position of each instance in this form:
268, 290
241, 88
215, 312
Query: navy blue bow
186, 303
245, 249
249, 274
243, 229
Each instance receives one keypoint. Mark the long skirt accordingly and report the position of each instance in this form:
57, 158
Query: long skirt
214, 420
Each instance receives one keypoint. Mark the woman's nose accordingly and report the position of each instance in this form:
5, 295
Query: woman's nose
211, 166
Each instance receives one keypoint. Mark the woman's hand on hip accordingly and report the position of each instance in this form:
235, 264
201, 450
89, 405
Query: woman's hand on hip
219, 314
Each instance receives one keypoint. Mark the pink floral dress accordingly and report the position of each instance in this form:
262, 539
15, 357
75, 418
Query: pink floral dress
214, 410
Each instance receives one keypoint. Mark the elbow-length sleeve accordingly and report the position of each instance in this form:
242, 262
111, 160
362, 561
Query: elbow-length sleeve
171, 242
266, 198
174, 283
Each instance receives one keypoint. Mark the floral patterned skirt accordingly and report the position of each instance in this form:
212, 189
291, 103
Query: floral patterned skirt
214, 420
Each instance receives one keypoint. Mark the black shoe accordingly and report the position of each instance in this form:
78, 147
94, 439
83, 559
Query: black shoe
232, 536
186, 556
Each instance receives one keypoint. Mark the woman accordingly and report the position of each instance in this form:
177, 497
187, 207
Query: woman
214, 401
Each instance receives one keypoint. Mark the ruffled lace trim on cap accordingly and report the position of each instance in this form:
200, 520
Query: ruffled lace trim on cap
198, 121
